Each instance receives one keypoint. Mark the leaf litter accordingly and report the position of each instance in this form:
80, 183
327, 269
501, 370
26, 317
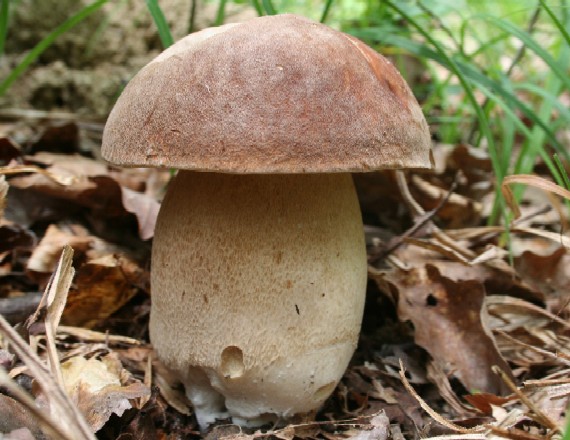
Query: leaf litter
456, 341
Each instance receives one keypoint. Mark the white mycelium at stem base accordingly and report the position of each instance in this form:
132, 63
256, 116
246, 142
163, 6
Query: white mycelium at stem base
258, 285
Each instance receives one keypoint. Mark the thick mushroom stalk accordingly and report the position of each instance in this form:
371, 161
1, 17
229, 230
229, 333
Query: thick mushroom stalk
258, 286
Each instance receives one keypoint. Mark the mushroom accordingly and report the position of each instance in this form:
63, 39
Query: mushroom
258, 263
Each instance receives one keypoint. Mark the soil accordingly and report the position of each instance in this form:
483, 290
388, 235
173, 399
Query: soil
85, 69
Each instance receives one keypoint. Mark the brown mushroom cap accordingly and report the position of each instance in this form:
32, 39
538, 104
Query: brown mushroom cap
278, 94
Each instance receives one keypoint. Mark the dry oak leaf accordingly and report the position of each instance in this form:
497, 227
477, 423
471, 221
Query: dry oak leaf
450, 322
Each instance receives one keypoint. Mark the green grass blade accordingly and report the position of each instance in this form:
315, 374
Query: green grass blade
562, 170
257, 7
160, 22
221, 14
514, 120
481, 116
557, 23
471, 73
268, 6
326, 11
46, 42
563, 110
530, 43
554, 86
4, 11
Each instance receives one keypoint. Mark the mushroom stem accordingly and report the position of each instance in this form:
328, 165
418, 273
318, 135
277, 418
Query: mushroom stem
258, 286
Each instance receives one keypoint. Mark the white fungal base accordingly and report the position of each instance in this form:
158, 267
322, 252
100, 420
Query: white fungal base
258, 285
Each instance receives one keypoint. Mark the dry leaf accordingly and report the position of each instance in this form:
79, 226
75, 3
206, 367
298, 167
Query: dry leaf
3, 192
449, 322
54, 300
71, 424
102, 286
532, 180
170, 388
14, 237
45, 256
144, 208
15, 416
379, 429
90, 186
549, 273
458, 211
95, 386
9, 149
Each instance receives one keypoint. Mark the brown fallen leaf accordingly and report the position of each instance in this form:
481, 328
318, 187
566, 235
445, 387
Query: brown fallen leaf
458, 211
170, 388
144, 208
549, 273
15, 416
378, 429
56, 135
532, 180
484, 402
96, 387
9, 149
46, 254
14, 237
527, 334
91, 186
56, 403
450, 323
497, 276
102, 286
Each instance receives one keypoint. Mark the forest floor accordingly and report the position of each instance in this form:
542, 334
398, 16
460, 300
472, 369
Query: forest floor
465, 331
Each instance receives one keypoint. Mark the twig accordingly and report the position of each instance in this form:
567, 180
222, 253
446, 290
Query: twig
61, 180
541, 351
68, 413
421, 218
537, 415
496, 231
437, 417
425, 218
94, 336
46, 423
55, 299
515, 434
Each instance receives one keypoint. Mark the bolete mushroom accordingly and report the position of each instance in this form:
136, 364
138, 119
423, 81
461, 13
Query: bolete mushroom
258, 265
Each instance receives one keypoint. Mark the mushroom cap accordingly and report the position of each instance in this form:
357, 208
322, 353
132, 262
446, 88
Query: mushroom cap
276, 94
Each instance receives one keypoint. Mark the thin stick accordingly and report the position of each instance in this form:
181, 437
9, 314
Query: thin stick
67, 411
538, 415
419, 223
541, 351
437, 417
46, 423
417, 210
